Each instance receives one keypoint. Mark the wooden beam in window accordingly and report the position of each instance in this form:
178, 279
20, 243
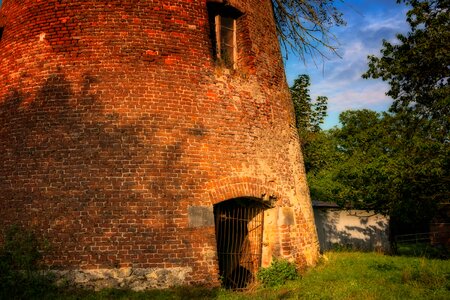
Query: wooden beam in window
218, 36
234, 44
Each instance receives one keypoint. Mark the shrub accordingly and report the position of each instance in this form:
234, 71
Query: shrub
278, 273
19, 266
21, 249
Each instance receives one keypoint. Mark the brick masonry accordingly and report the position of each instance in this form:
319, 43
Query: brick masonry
118, 131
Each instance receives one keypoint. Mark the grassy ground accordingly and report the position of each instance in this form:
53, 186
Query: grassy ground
340, 275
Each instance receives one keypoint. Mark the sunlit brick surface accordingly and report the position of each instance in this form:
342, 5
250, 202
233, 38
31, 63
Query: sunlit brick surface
115, 118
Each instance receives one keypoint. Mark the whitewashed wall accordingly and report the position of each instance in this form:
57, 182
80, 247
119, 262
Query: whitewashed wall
354, 229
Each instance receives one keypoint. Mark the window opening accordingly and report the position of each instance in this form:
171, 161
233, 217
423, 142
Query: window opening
239, 233
222, 21
226, 41
1, 33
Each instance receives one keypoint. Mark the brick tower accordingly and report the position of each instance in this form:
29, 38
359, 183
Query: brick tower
151, 142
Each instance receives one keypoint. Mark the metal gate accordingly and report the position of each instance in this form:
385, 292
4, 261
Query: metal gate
239, 231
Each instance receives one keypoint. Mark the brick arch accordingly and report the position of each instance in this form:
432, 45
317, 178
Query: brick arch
230, 188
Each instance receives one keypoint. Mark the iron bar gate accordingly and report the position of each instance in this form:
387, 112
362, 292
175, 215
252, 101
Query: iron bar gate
239, 233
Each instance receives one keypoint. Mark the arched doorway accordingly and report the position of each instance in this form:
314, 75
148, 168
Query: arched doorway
239, 232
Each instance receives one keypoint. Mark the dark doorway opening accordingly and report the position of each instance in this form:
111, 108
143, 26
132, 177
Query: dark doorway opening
239, 233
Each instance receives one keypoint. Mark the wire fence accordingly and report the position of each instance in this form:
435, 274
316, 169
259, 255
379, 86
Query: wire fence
433, 244
434, 237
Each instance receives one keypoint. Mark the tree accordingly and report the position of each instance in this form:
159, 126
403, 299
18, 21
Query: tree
309, 115
352, 151
375, 163
395, 163
417, 69
417, 66
304, 26
317, 150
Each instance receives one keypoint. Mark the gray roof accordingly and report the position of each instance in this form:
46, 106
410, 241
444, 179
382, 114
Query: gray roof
324, 204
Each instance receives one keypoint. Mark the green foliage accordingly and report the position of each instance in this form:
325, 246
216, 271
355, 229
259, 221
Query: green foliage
278, 273
320, 152
21, 249
20, 276
309, 115
302, 101
389, 163
395, 163
416, 66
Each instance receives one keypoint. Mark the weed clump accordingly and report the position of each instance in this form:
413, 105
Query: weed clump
424, 275
278, 273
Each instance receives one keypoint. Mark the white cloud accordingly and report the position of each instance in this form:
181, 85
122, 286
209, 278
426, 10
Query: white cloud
371, 97
375, 23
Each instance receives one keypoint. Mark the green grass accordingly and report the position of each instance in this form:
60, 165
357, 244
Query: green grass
353, 275
340, 275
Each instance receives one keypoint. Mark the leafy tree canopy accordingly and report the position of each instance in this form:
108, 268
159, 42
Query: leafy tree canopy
309, 114
417, 69
417, 66
394, 163
375, 162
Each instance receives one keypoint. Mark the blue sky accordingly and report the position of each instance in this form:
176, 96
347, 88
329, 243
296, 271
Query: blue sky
368, 23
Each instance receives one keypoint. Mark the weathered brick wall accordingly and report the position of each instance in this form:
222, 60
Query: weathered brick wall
115, 119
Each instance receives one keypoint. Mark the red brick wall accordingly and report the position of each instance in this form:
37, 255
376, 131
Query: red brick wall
114, 118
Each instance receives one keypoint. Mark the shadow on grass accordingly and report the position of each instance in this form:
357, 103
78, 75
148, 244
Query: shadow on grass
172, 293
